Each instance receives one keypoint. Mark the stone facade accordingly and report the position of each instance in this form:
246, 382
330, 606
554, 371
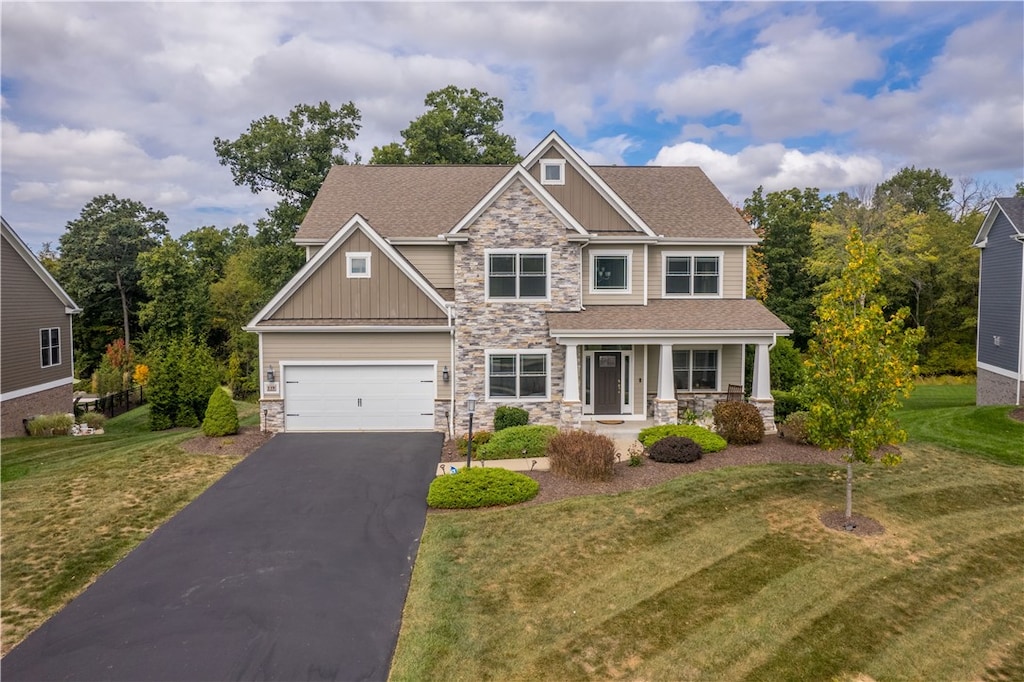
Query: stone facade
516, 220
666, 411
50, 401
996, 389
767, 410
273, 415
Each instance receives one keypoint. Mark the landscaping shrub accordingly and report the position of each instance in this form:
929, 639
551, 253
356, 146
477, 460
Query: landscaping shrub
787, 366
636, 454
221, 415
708, 441
582, 456
94, 420
675, 450
506, 416
795, 428
181, 378
739, 423
481, 487
479, 438
786, 403
57, 424
517, 441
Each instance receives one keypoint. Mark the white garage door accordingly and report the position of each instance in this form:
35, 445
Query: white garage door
359, 397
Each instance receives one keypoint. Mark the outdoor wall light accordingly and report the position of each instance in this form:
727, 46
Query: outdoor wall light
270, 374
445, 375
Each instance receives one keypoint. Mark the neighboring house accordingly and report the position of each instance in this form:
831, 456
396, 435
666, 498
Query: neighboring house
576, 292
36, 361
1001, 303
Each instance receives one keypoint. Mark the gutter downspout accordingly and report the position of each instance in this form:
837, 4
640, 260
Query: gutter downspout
454, 376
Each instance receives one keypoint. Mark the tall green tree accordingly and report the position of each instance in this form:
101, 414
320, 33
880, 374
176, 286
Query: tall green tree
459, 126
859, 363
178, 291
784, 219
99, 253
917, 190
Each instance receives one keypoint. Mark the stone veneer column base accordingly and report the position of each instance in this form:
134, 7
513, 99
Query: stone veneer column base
767, 410
441, 417
666, 411
572, 415
272, 415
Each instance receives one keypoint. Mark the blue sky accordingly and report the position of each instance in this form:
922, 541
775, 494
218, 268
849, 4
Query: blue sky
126, 98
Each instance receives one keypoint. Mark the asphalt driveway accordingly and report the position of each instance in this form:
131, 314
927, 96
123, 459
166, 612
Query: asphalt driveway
294, 566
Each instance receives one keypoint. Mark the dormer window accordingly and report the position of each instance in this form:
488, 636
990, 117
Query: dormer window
552, 172
357, 264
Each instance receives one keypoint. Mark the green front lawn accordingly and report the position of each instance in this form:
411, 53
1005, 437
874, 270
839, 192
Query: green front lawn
74, 506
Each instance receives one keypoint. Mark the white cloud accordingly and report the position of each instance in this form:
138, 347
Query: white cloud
773, 166
607, 151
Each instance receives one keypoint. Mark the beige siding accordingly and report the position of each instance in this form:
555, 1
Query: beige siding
731, 363
330, 294
436, 263
732, 268
368, 346
636, 294
26, 306
582, 201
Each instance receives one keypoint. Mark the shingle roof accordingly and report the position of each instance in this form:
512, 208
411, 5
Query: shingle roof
676, 201
398, 201
683, 315
1013, 207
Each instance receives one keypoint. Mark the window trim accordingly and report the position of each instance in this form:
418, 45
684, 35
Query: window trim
517, 353
611, 253
552, 163
50, 348
665, 255
718, 369
517, 298
350, 257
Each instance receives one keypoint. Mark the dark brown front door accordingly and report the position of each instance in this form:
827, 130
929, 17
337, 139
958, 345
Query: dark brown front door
607, 379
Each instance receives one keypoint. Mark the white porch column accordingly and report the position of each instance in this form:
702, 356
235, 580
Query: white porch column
666, 383
571, 389
762, 387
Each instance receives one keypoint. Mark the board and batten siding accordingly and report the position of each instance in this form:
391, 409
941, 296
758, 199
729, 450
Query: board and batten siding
636, 293
999, 298
581, 200
387, 293
436, 263
26, 306
731, 268
370, 347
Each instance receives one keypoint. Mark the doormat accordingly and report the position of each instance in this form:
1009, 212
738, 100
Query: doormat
611, 422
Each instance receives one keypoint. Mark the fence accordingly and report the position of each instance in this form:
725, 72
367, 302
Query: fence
112, 404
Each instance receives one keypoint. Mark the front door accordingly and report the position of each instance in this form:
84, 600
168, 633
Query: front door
607, 383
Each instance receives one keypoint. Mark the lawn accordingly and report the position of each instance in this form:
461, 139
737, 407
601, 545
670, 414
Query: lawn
729, 574
74, 506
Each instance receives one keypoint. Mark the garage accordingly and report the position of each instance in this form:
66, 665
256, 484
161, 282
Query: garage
364, 397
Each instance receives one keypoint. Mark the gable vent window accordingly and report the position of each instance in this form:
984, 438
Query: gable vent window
552, 172
357, 264
49, 345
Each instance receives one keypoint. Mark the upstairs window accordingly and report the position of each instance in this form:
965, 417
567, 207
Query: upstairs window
517, 275
357, 264
49, 346
610, 272
692, 275
552, 172
695, 370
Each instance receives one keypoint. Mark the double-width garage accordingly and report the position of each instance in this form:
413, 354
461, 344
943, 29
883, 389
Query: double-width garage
359, 397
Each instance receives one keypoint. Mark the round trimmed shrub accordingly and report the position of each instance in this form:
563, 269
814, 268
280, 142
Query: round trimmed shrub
739, 423
481, 487
517, 441
582, 456
675, 450
507, 415
708, 441
221, 415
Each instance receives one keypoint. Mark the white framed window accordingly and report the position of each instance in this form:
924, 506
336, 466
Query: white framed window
552, 172
692, 275
611, 272
517, 275
696, 369
49, 346
518, 375
357, 264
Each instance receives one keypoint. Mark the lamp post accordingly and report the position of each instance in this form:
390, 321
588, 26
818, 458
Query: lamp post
471, 408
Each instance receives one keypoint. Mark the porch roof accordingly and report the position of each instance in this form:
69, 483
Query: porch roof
683, 316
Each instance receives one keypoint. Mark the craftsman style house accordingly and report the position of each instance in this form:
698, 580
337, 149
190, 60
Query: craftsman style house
1000, 352
576, 292
36, 363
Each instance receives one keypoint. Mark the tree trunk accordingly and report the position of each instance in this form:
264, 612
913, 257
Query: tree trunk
124, 314
849, 492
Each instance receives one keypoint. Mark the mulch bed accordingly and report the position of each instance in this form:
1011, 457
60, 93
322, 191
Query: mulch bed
241, 444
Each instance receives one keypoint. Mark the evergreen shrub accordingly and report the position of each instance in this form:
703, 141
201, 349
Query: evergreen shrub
582, 456
675, 450
221, 415
708, 441
479, 438
517, 441
507, 415
481, 487
786, 403
739, 423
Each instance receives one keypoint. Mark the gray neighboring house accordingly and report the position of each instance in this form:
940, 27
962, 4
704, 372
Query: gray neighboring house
36, 358
576, 292
1000, 354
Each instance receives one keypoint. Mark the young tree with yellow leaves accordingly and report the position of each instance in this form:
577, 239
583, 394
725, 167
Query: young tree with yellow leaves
859, 364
